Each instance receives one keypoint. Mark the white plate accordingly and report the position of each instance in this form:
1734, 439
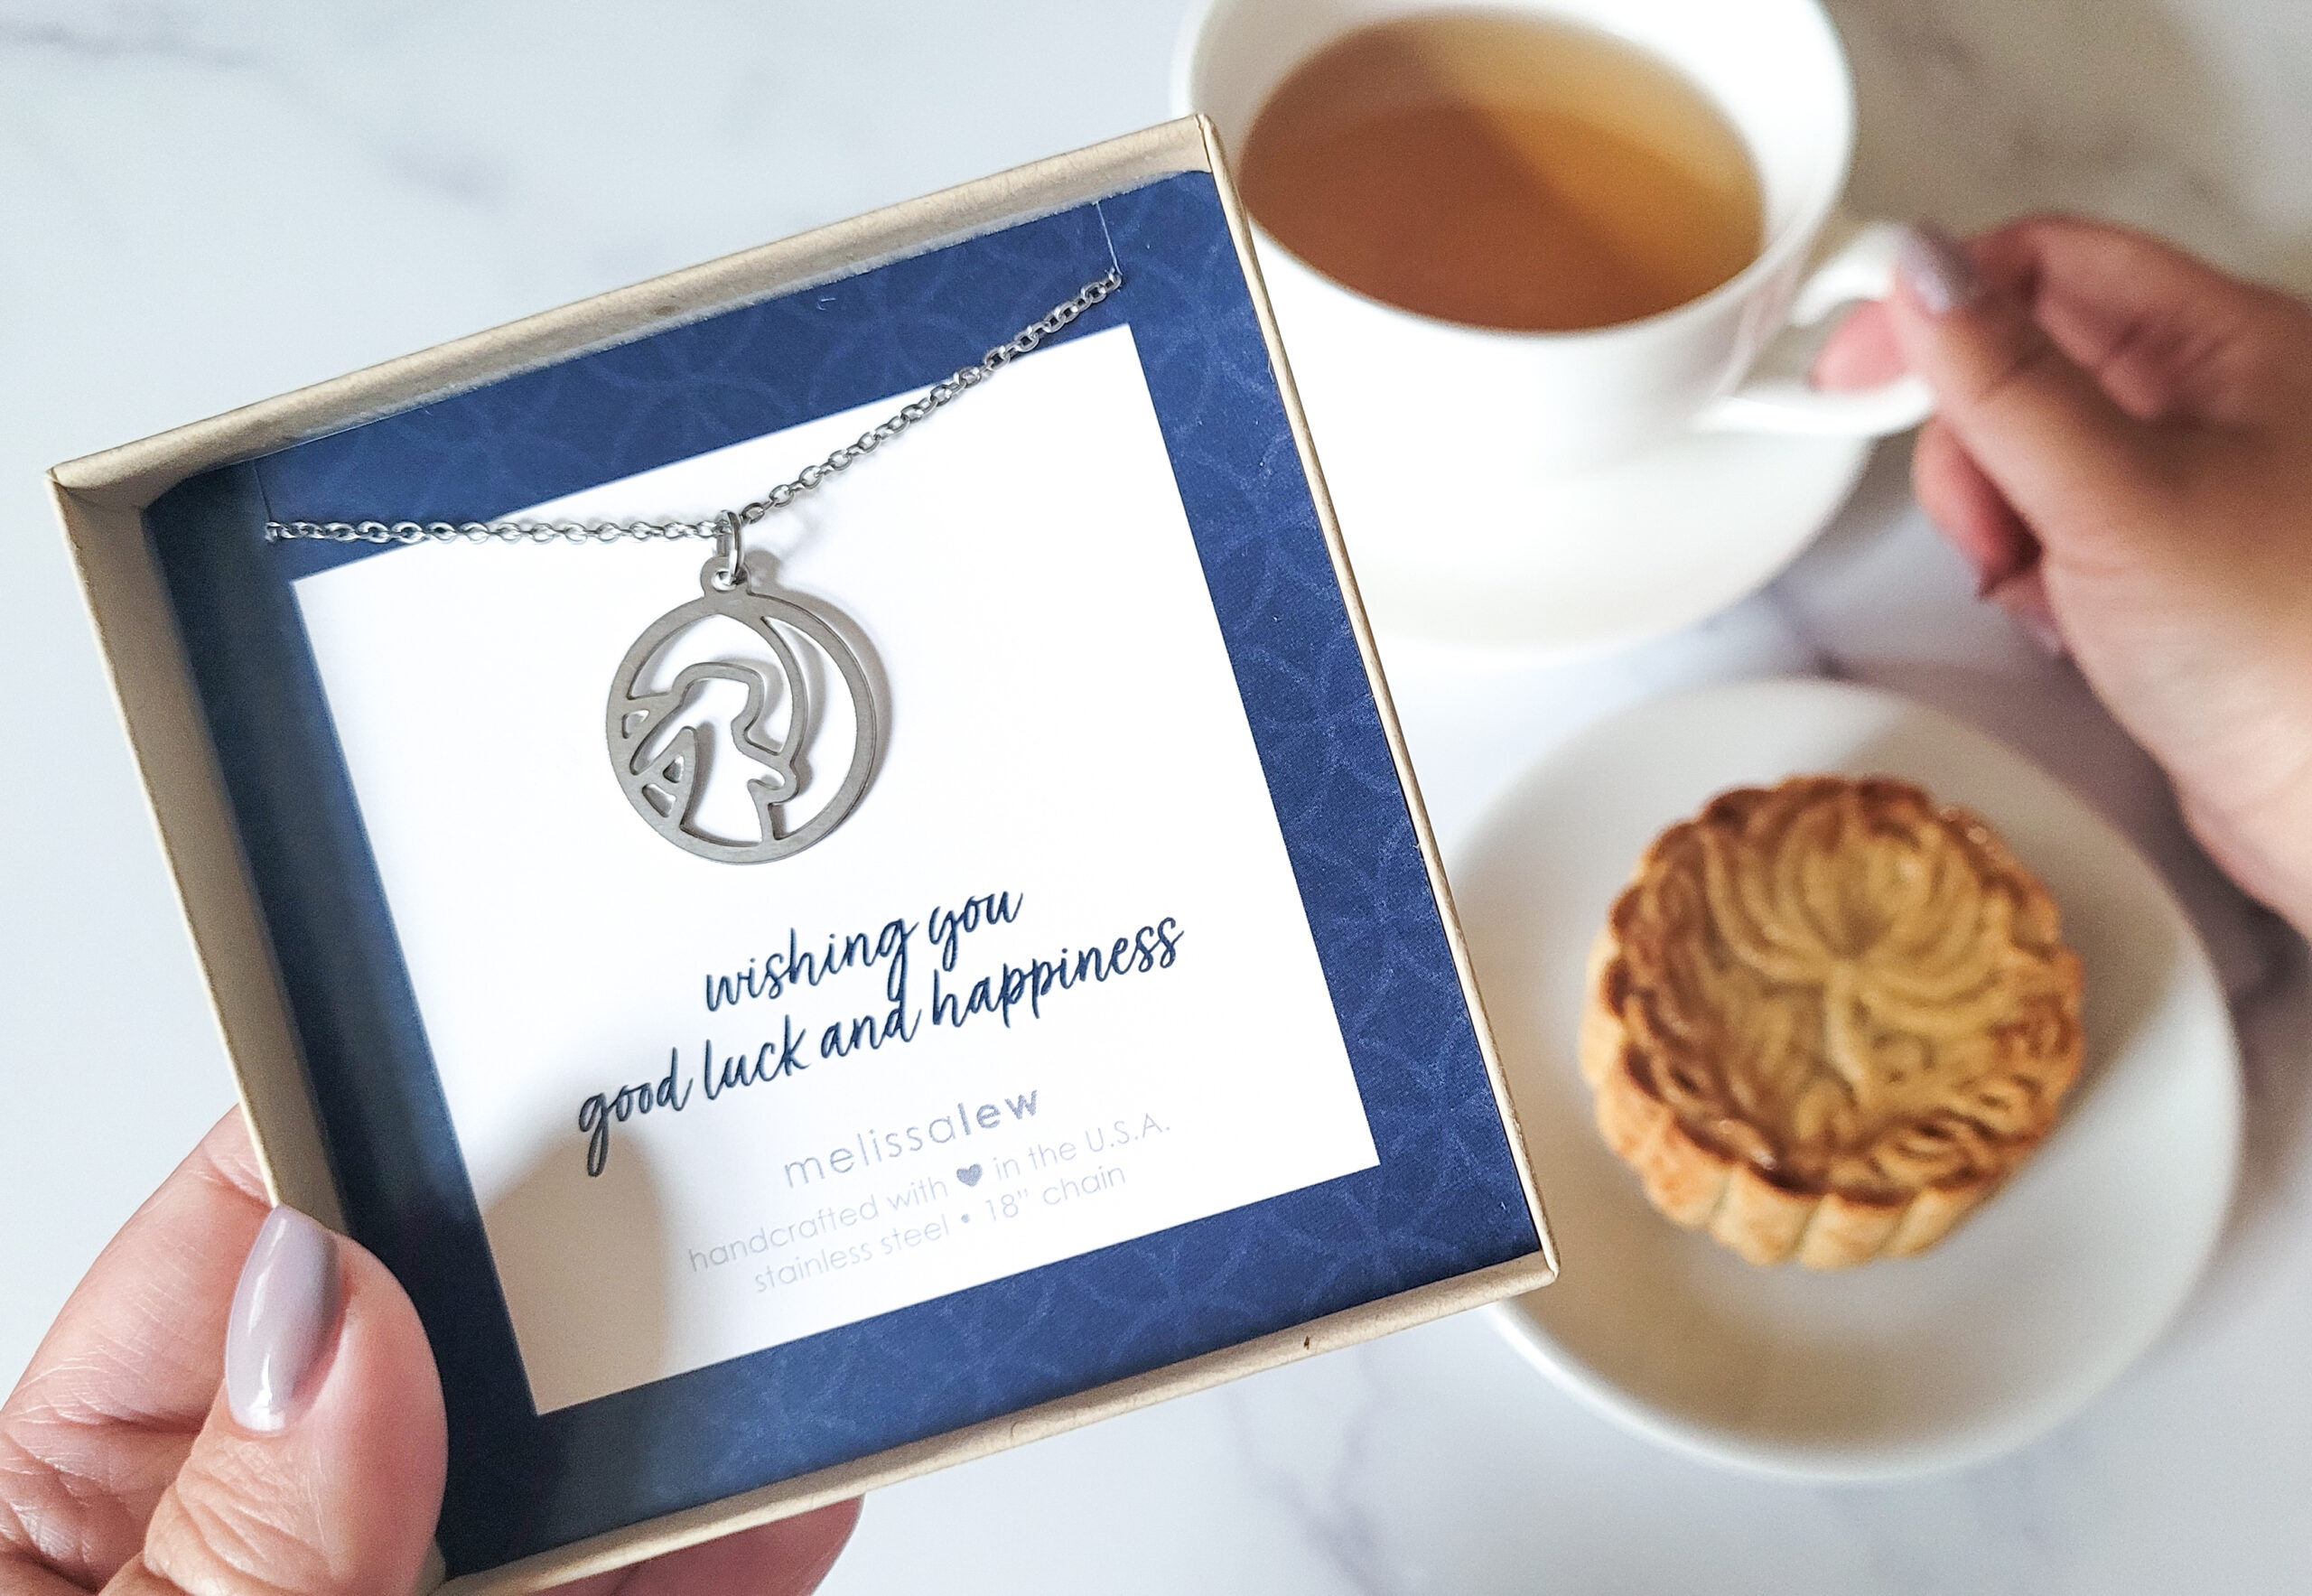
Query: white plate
1900, 1367
1490, 552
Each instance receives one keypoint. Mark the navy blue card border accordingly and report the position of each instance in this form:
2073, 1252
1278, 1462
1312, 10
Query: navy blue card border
1445, 1199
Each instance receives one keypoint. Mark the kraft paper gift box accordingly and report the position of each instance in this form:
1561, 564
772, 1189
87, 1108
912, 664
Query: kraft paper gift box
1116, 1040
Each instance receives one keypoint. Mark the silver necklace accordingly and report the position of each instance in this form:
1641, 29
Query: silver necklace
659, 760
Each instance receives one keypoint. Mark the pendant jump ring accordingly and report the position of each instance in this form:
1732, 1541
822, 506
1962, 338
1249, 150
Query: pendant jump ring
726, 548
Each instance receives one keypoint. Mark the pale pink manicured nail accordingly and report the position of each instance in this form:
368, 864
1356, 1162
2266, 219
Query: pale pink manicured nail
1937, 267
2025, 600
2003, 565
2043, 631
284, 1310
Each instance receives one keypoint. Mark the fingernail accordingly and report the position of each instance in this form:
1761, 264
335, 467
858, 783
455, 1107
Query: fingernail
1936, 268
284, 1311
2025, 601
2042, 630
2003, 566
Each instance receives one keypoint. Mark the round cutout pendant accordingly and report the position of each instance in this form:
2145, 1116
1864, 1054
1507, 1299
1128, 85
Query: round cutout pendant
664, 745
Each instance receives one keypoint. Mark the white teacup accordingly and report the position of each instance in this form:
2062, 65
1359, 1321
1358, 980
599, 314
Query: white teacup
1378, 378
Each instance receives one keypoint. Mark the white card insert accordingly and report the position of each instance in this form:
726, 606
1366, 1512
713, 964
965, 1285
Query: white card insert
1071, 816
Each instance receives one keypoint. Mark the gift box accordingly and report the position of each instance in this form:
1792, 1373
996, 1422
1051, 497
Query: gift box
1008, 980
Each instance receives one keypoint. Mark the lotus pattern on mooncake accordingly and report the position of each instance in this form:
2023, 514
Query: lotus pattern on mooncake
1827, 1019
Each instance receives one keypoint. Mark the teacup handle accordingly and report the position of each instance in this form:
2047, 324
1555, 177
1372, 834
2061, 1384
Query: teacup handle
1863, 267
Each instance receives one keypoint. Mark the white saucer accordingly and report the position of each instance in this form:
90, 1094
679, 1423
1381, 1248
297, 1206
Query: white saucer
1491, 551
1900, 1367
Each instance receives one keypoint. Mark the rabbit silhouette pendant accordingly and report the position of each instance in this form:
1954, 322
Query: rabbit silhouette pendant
789, 653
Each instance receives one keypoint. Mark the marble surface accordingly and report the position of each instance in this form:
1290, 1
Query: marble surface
206, 205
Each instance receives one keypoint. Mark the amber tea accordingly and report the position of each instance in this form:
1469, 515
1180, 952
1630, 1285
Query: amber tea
1504, 170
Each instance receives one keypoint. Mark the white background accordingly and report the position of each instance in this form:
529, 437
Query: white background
208, 204
1064, 729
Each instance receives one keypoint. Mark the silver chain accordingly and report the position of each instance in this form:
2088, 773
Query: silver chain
725, 526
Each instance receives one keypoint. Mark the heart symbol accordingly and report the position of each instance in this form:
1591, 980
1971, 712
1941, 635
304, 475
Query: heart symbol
969, 1176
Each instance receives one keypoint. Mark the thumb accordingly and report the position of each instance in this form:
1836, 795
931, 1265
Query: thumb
319, 1472
2069, 460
